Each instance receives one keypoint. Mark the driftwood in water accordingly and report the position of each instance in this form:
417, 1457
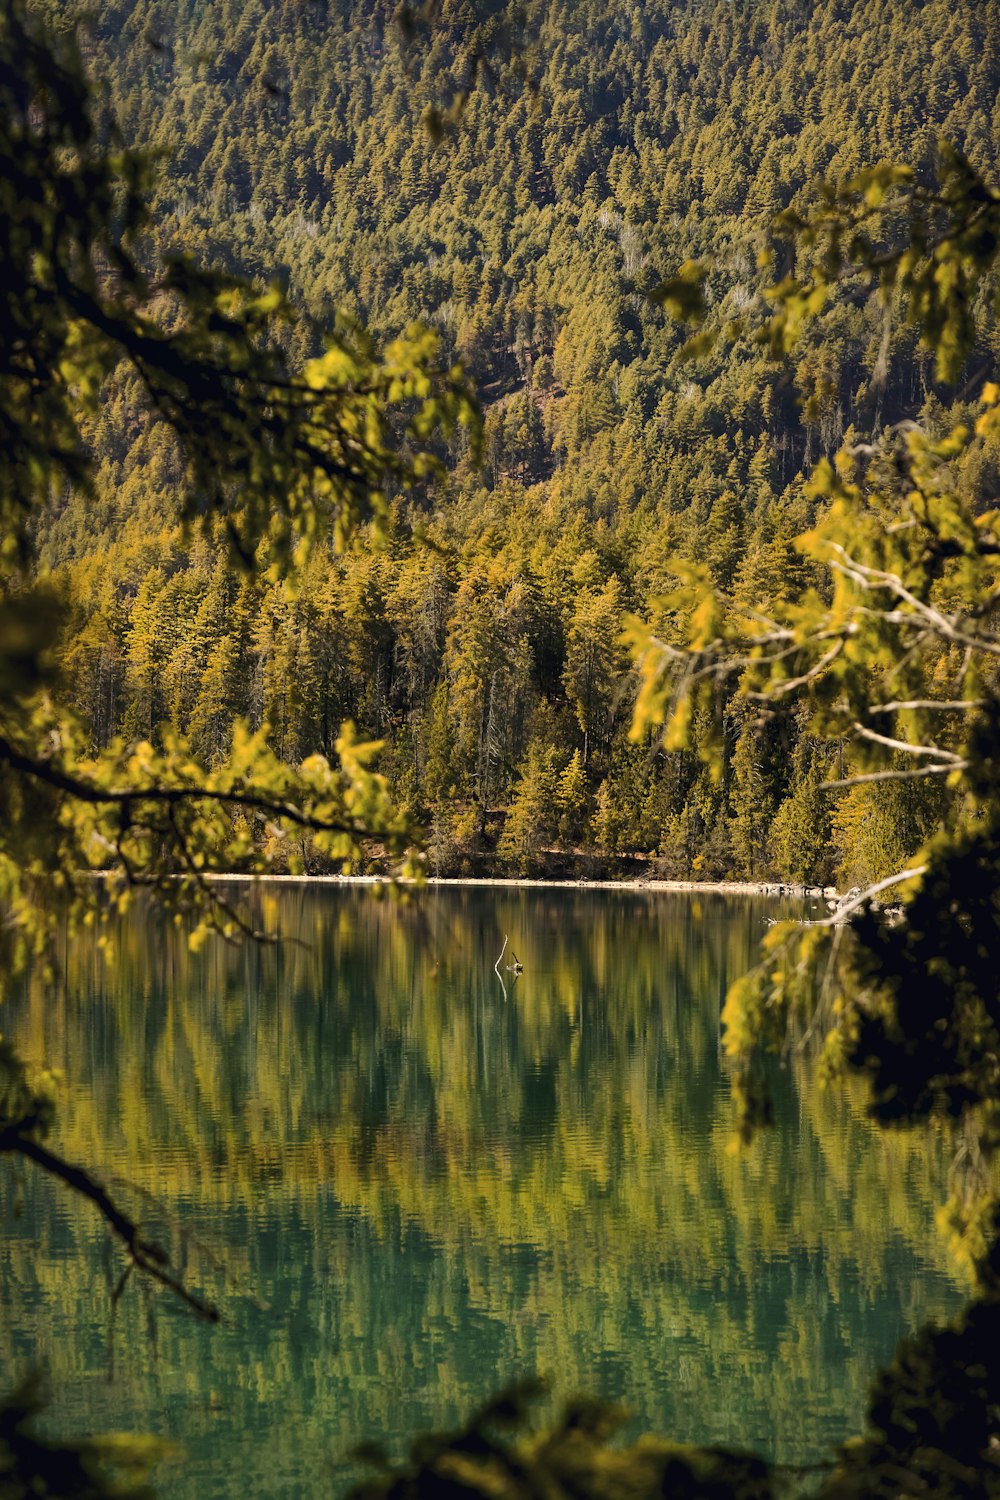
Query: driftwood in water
516, 967
503, 950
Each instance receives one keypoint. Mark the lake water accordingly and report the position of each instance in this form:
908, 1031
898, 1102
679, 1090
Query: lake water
423, 1182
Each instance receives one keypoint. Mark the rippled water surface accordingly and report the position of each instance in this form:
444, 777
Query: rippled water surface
423, 1181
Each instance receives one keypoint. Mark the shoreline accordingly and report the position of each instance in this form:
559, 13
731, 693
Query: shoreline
773, 889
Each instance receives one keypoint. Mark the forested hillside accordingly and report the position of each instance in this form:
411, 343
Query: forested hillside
606, 144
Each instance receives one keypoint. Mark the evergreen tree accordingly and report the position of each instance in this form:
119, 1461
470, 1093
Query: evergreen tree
532, 816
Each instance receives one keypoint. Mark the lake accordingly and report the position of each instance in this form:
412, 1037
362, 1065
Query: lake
408, 1181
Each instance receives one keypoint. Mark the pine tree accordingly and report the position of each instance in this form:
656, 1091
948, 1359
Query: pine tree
532, 815
751, 805
572, 799
801, 831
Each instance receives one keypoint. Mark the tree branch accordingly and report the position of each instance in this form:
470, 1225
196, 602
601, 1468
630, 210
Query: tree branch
845, 908
145, 1254
950, 629
906, 747
792, 684
941, 705
95, 795
869, 776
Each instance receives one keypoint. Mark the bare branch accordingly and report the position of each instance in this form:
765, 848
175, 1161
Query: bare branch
869, 776
794, 683
988, 644
906, 747
911, 705
950, 629
867, 578
845, 908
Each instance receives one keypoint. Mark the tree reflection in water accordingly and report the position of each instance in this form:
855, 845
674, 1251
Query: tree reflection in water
429, 1189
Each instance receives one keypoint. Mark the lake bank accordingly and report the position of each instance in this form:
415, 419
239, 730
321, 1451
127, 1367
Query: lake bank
772, 888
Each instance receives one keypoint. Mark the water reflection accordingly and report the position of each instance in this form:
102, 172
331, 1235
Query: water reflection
431, 1182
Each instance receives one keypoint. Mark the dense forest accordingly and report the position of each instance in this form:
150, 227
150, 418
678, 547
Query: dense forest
479, 634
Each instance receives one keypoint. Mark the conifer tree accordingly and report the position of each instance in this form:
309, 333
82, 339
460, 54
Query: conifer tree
533, 813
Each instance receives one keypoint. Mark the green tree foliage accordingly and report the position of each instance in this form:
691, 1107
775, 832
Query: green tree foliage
273, 451
532, 818
593, 673
752, 808
571, 795
800, 833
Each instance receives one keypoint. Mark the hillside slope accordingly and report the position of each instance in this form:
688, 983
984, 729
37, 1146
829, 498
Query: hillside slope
606, 146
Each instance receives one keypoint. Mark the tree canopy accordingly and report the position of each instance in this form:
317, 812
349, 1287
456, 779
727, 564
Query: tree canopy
602, 153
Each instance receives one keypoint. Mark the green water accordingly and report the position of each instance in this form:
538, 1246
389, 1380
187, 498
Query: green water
422, 1183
